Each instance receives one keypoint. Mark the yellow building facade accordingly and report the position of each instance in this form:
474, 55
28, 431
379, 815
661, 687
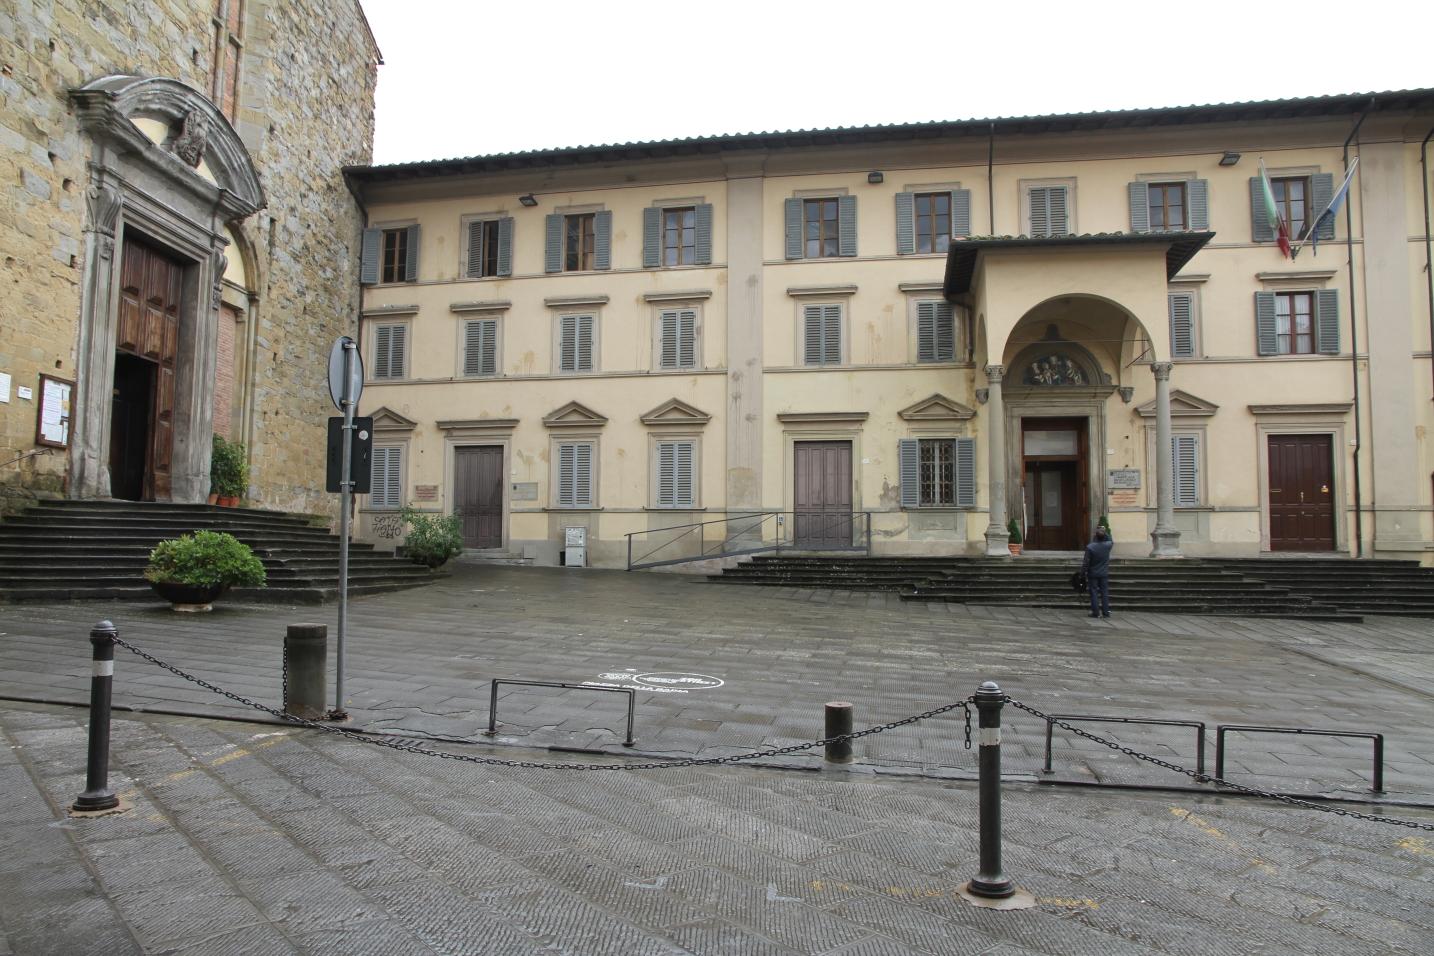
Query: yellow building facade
907, 339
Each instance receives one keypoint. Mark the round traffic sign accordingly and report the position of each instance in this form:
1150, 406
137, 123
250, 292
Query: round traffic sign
345, 351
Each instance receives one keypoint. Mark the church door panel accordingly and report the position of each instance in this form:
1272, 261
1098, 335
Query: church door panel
1301, 469
151, 285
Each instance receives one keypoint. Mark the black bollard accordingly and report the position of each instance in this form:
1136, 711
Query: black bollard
990, 882
98, 795
306, 648
838, 723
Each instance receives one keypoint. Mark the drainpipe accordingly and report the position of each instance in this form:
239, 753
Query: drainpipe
1428, 247
991, 181
1354, 340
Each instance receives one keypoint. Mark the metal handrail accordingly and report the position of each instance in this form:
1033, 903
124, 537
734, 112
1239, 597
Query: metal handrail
754, 521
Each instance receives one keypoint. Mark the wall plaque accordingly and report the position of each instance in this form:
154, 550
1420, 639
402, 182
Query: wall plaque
425, 492
52, 423
1123, 479
525, 491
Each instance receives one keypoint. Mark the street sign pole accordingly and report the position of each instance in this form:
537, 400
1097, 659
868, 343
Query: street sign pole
346, 390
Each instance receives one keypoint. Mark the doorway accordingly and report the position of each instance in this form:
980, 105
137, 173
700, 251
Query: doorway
823, 519
130, 414
1054, 483
146, 350
1301, 493
478, 494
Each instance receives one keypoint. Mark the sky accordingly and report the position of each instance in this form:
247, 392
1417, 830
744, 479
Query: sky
469, 77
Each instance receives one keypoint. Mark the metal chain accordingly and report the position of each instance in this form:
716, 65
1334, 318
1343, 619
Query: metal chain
1218, 781
412, 747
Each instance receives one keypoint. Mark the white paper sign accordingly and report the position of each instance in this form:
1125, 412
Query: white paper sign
5, 387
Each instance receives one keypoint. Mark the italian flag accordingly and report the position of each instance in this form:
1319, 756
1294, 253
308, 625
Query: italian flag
1272, 210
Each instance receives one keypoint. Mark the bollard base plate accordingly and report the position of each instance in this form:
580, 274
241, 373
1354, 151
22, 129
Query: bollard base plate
120, 807
1019, 900
337, 715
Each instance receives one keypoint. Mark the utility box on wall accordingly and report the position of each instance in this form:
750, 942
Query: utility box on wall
575, 547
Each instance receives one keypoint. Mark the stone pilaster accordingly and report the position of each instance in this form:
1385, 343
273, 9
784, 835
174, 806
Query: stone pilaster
1165, 539
744, 341
996, 536
90, 431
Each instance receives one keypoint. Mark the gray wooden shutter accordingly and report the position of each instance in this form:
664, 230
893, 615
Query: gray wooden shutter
1186, 464
667, 340
666, 474
475, 250
1197, 196
1327, 321
583, 475
553, 243
1260, 230
1267, 340
382, 342
905, 223
702, 218
1139, 207
585, 343
1321, 192
687, 338
909, 453
812, 335
602, 240
505, 246
480, 347
651, 237
378, 484
387, 484
397, 356
926, 331
685, 480
846, 225
1059, 211
960, 213
568, 344
410, 264
1182, 325
831, 335
965, 472
565, 476
792, 210
1040, 214
368, 260
945, 333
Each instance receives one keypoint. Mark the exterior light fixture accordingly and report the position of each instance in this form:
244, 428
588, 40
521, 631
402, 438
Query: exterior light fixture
529, 200
1230, 158
875, 176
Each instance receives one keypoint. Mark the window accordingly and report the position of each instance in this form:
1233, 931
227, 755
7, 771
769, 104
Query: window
677, 338
821, 334
1185, 458
575, 475
676, 485
480, 347
1297, 323
386, 489
389, 255
933, 221
579, 242
1049, 210
390, 351
1182, 324
1167, 206
1294, 325
228, 45
1173, 205
938, 472
935, 332
819, 227
1292, 199
575, 343
490, 248
679, 237
395, 256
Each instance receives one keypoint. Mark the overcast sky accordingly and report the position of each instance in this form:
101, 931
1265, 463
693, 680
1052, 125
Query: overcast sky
469, 77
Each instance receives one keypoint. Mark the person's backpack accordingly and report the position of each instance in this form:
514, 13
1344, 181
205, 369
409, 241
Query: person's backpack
1078, 582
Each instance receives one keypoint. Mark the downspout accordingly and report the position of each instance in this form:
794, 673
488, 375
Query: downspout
1428, 246
1354, 340
991, 181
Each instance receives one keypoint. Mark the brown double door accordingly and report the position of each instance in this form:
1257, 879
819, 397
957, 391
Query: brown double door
1301, 493
479, 495
1054, 483
146, 349
823, 518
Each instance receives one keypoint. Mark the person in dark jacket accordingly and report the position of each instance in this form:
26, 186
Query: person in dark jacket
1096, 565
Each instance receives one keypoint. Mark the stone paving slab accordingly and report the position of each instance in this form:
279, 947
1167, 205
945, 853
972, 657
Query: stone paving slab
419, 662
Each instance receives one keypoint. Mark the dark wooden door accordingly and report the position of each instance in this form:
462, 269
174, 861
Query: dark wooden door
479, 495
823, 495
1301, 493
151, 284
1053, 512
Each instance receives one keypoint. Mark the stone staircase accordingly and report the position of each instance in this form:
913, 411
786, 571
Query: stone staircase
79, 550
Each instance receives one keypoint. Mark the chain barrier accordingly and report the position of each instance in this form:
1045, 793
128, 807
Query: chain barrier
412, 746
1218, 781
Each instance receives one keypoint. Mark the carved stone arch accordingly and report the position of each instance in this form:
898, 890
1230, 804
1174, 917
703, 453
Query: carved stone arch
1056, 362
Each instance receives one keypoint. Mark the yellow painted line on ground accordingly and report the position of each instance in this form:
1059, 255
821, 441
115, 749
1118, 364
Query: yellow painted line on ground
220, 761
1205, 826
1416, 845
932, 892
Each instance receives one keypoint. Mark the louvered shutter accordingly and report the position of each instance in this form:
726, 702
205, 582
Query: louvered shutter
702, 219
583, 476
792, 210
394, 473
945, 332
1197, 192
382, 344
668, 340
1186, 464
1321, 192
1139, 207
960, 212
831, 335
846, 225
378, 482
387, 477
1260, 230
565, 476
1059, 213
480, 347
368, 259
568, 344
602, 240
397, 348
505, 246
651, 237
926, 332
553, 243
1327, 321
666, 474
965, 472
905, 224
1267, 340
687, 338
475, 250
686, 478
585, 343
812, 335
1182, 325
410, 263
909, 452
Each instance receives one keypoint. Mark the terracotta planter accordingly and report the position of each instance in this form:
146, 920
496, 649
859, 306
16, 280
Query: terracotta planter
1013, 547
227, 501
213, 498
185, 597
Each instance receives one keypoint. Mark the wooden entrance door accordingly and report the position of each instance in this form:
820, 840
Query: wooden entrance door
823, 495
1056, 496
148, 329
1301, 493
478, 485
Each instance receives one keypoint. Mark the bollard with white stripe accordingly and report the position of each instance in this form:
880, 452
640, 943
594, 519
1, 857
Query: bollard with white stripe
990, 882
98, 796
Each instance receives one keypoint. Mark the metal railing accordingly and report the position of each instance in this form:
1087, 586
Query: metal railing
750, 532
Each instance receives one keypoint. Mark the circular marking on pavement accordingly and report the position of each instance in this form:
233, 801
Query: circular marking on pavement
687, 681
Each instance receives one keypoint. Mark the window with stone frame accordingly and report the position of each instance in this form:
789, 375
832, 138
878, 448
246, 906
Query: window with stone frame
228, 48
1294, 323
676, 473
937, 472
1167, 207
390, 352
579, 242
393, 266
932, 212
679, 236
386, 487
935, 331
820, 228
1292, 198
574, 475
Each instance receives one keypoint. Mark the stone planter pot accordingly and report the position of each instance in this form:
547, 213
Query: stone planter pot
185, 597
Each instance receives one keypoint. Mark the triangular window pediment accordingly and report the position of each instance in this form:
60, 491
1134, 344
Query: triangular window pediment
1182, 405
675, 411
387, 419
573, 415
937, 408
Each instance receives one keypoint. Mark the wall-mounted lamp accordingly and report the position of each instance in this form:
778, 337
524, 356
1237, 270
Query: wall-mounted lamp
1127, 392
529, 200
1230, 158
876, 176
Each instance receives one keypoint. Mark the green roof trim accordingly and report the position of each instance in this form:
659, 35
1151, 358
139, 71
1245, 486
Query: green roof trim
962, 254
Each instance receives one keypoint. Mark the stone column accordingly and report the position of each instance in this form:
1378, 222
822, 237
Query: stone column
996, 536
95, 358
1165, 539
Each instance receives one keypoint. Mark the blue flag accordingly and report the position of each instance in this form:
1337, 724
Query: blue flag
1335, 202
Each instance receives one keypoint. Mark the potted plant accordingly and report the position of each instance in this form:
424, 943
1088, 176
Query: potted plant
431, 539
1013, 536
192, 570
228, 472
1104, 524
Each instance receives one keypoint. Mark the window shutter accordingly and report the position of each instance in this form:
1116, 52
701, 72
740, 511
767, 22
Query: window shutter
1060, 220
1321, 192
905, 224
846, 225
382, 343
1182, 325
1327, 321
1185, 455
793, 213
583, 476
965, 472
651, 237
666, 474
602, 240
568, 344
566, 476
926, 331
410, 265
387, 478
585, 343
397, 347
1260, 230
394, 498
687, 338
505, 246
686, 480
368, 259
668, 340
910, 454
475, 250
378, 486
702, 216
553, 243
812, 335
831, 335
1266, 335
1139, 207
1197, 192
480, 347
1042, 223
960, 213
